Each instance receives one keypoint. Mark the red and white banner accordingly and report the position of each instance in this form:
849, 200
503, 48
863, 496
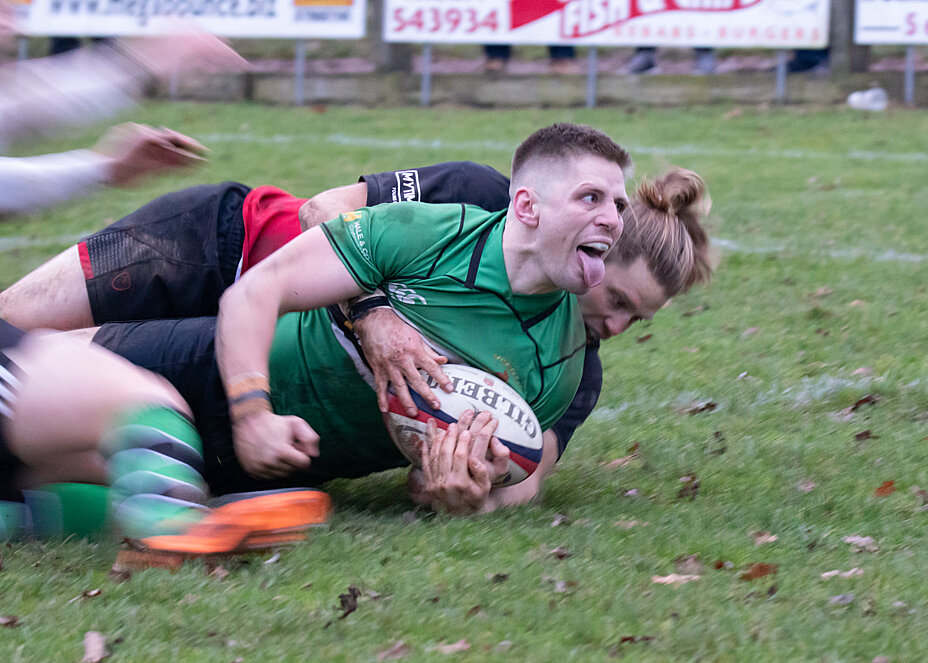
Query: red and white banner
729, 23
891, 22
294, 19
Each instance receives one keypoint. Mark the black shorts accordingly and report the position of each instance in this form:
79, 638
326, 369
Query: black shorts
172, 258
10, 337
183, 352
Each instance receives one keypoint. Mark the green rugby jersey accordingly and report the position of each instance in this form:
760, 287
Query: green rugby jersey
442, 268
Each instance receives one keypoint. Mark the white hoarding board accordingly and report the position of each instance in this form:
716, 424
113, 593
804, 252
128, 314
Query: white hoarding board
335, 19
891, 22
725, 23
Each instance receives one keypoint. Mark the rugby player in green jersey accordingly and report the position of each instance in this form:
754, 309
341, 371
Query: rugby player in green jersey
506, 272
644, 263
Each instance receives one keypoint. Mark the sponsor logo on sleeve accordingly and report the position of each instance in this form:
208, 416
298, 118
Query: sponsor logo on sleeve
357, 234
407, 186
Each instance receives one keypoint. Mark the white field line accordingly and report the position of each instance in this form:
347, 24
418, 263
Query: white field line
373, 142
729, 245
806, 392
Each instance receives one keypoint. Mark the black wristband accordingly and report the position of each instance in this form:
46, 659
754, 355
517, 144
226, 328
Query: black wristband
365, 306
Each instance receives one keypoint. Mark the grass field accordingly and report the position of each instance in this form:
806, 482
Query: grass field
790, 391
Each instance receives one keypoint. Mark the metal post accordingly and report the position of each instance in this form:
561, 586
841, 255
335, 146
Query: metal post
299, 73
22, 49
425, 96
172, 85
592, 68
910, 76
780, 93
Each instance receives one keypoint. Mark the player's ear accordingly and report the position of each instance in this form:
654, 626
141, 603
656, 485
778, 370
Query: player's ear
525, 206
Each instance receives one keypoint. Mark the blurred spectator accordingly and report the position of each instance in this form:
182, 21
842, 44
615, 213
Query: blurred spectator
645, 59
562, 58
812, 60
38, 96
87, 85
125, 154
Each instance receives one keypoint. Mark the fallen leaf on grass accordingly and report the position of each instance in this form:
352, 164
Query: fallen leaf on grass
690, 487
453, 648
688, 565
348, 602
10, 621
720, 565
628, 524
635, 639
886, 489
624, 460
841, 599
86, 594
853, 573
759, 570
805, 486
824, 291
273, 559
733, 113
497, 578
863, 370
473, 612
760, 538
921, 494
560, 553
865, 435
861, 543
119, 573
219, 572
750, 331
560, 519
696, 311
94, 647
564, 586
399, 650
698, 408
674, 579
645, 338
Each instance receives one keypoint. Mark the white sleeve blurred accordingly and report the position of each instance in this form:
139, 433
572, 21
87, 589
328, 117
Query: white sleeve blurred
30, 183
73, 89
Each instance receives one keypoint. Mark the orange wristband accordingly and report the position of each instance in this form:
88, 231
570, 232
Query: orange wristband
248, 395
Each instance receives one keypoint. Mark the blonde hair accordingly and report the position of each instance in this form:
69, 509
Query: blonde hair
664, 226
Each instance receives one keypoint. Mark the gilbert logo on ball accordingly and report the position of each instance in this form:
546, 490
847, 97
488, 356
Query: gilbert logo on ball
474, 390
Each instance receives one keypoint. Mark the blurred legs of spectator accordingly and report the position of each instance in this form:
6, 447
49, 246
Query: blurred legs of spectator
497, 56
808, 60
59, 45
704, 61
645, 59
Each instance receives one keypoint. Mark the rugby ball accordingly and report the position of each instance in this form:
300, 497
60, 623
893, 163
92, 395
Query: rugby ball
476, 390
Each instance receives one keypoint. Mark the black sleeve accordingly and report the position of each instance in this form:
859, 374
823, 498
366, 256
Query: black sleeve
10, 336
449, 182
591, 383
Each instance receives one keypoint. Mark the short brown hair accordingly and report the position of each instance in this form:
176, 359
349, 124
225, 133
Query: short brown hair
664, 226
564, 139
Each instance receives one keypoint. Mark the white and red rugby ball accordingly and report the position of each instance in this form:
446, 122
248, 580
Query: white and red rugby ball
474, 390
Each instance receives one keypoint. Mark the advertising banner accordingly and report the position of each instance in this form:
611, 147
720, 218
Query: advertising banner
318, 19
891, 22
723, 23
